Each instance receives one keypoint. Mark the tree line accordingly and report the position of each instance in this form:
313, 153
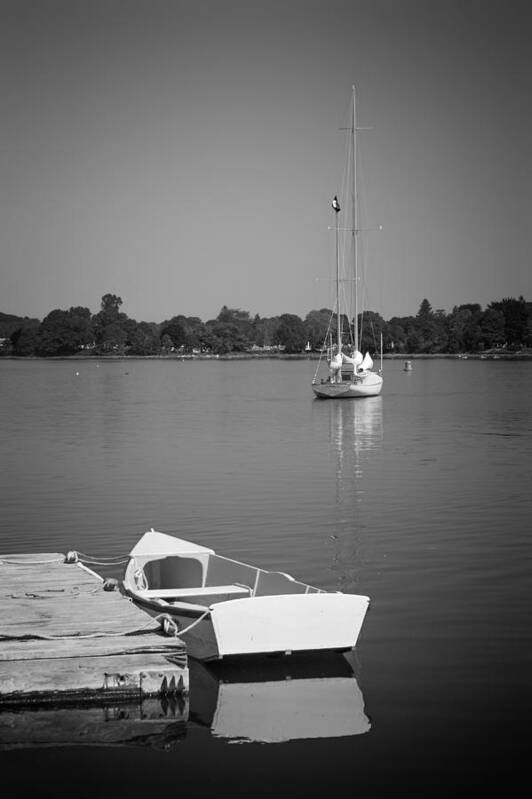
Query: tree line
467, 328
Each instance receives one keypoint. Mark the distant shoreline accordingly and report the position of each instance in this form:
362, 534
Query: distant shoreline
522, 355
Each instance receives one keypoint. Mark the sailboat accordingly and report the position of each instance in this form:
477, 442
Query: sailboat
350, 374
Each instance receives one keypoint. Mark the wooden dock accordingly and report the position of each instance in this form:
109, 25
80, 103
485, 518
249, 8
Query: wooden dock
65, 638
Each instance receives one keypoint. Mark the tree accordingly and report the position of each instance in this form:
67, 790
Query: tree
25, 339
109, 325
9, 324
441, 334
197, 337
264, 330
291, 333
227, 337
167, 345
491, 325
316, 327
113, 338
515, 314
175, 331
239, 319
65, 332
414, 339
143, 339
396, 338
371, 325
110, 307
424, 329
425, 310
458, 322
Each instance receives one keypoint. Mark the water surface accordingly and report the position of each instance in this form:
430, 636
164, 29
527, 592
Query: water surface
420, 498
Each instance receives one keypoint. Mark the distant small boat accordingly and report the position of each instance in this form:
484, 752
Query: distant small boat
408, 366
223, 607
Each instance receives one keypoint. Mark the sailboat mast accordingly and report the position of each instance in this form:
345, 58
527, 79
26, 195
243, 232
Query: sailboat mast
355, 214
338, 315
336, 209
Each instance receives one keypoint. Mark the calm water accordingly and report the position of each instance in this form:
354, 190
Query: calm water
420, 498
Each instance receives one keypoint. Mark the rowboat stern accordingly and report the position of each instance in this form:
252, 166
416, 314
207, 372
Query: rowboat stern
289, 623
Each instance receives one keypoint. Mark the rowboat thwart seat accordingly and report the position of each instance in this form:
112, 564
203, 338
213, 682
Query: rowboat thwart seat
234, 591
198, 598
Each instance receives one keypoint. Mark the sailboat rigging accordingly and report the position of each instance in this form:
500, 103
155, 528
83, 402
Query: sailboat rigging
350, 374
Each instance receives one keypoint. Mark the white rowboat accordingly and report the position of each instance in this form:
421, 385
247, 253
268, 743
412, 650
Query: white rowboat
224, 608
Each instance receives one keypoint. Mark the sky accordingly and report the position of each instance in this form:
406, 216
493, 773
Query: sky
184, 155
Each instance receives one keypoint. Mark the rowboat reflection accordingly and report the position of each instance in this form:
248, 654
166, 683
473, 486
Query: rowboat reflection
272, 700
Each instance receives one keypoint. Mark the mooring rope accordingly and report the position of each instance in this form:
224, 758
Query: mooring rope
51, 593
74, 556
9, 562
190, 626
165, 621
71, 557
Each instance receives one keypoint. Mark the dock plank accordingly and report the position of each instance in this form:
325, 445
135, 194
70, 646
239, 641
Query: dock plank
93, 647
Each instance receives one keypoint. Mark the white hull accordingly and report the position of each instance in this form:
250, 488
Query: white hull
369, 385
282, 624
258, 612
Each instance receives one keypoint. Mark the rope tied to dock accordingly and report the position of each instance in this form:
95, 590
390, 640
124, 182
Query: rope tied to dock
73, 556
80, 557
9, 562
163, 620
183, 630
169, 626
51, 593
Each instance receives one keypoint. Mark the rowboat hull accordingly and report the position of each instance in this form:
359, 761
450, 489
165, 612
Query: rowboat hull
283, 624
256, 612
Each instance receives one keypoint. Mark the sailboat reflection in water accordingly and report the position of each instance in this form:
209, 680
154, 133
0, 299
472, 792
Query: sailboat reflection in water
273, 700
356, 435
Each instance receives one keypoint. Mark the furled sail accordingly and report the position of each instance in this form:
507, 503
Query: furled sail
367, 363
336, 362
335, 366
355, 360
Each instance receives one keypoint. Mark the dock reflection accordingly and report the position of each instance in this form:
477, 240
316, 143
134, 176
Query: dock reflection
157, 723
262, 699
272, 700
